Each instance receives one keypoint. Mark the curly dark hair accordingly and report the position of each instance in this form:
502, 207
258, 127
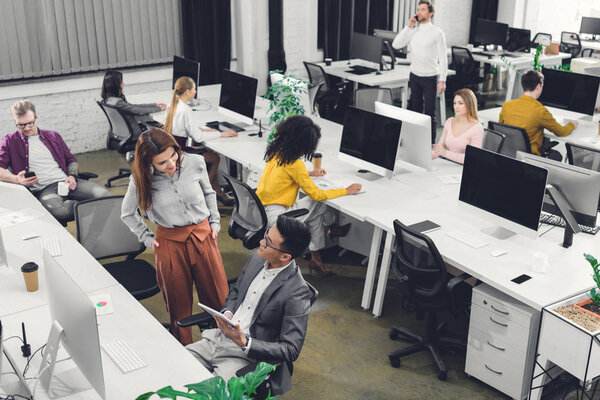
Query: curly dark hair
297, 136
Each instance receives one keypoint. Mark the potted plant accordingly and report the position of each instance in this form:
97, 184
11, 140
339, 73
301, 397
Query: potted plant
238, 388
592, 304
286, 93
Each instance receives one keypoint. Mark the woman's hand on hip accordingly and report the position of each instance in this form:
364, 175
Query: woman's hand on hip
154, 244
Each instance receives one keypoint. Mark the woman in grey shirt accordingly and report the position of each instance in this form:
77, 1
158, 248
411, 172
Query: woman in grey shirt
172, 188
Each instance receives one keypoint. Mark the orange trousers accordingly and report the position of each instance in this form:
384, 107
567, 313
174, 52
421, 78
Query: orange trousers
188, 255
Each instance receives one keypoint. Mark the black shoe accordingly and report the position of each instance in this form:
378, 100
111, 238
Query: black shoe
226, 200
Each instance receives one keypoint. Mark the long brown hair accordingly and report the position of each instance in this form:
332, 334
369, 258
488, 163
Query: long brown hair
181, 86
150, 143
470, 100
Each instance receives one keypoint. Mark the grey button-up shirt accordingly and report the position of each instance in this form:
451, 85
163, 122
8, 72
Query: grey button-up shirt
185, 199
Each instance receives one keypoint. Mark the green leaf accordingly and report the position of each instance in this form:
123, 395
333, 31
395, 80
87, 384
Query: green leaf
255, 378
170, 393
236, 388
212, 387
145, 396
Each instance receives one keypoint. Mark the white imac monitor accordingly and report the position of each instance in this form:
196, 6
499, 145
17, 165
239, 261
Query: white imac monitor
74, 325
507, 192
415, 139
238, 97
3, 258
370, 142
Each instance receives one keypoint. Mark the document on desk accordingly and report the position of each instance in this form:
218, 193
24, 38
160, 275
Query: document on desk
334, 183
17, 217
450, 179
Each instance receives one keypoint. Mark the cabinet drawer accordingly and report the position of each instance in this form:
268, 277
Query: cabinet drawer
499, 328
490, 348
505, 378
501, 305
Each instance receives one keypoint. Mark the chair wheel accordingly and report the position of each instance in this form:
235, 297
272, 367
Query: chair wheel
394, 334
107, 184
442, 375
395, 362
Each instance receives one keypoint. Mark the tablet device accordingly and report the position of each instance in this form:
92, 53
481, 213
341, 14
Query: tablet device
215, 313
424, 226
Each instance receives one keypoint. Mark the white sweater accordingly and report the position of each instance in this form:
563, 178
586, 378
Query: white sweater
427, 50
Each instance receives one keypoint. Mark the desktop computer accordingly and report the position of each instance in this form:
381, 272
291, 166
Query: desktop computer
370, 141
368, 48
518, 40
590, 26
237, 100
570, 91
3, 258
504, 190
186, 67
490, 32
415, 136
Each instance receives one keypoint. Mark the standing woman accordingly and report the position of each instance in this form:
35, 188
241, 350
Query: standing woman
179, 123
285, 173
173, 190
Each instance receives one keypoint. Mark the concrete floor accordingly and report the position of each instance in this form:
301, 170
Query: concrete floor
345, 352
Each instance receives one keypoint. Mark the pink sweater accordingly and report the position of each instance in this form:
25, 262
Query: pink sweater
456, 146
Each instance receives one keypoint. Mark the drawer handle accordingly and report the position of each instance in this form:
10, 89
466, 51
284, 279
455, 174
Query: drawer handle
496, 347
496, 372
499, 323
500, 311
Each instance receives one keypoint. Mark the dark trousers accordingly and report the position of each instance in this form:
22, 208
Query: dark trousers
423, 93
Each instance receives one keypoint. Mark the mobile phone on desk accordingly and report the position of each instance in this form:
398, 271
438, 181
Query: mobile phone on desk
29, 174
425, 226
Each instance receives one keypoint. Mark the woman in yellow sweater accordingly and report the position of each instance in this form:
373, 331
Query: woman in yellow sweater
285, 173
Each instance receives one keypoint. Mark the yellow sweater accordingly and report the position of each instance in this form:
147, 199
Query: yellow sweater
280, 184
528, 113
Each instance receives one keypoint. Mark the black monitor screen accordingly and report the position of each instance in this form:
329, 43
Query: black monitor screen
518, 39
186, 67
570, 91
366, 47
371, 137
590, 25
238, 93
503, 186
490, 32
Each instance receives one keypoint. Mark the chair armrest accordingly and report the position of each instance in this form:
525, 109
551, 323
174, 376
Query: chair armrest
296, 213
86, 175
452, 286
199, 319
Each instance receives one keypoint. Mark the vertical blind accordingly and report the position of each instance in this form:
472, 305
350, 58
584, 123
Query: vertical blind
406, 9
54, 37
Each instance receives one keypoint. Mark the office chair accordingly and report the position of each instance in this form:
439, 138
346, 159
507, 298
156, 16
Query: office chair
205, 321
539, 37
328, 96
515, 138
365, 98
102, 233
570, 43
121, 136
248, 220
421, 274
587, 53
468, 71
492, 140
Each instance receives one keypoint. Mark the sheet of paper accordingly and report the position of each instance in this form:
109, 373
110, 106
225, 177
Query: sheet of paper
103, 304
450, 179
18, 217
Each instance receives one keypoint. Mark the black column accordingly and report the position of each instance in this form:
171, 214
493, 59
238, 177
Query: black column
276, 54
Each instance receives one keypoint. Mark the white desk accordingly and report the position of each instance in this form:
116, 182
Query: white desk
590, 44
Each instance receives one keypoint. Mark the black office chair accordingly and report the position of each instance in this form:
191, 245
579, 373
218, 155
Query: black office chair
122, 136
539, 37
329, 94
248, 220
515, 138
365, 98
421, 275
468, 71
570, 43
102, 233
492, 140
587, 53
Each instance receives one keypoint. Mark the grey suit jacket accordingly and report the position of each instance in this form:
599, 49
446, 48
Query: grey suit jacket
279, 323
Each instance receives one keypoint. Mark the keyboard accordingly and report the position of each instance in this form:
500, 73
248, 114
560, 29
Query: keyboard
224, 126
469, 240
122, 355
555, 220
361, 70
52, 245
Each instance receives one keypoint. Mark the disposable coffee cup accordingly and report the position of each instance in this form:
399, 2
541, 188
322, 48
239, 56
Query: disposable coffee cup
63, 189
316, 160
30, 274
328, 61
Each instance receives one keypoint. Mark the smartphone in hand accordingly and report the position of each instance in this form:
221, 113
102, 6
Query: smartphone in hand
29, 174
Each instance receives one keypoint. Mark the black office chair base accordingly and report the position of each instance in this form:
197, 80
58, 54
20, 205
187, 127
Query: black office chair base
123, 173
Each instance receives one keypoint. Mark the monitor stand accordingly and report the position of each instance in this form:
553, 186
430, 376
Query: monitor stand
367, 175
498, 232
200, 104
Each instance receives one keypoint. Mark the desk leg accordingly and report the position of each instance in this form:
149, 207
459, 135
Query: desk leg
371, 269
442, 98
510, 83
541, 365
405, 95
383, 274
499, 77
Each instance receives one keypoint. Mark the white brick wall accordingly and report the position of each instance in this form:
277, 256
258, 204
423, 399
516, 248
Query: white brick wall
454, 17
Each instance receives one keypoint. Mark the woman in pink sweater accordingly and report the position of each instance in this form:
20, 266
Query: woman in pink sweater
461, 130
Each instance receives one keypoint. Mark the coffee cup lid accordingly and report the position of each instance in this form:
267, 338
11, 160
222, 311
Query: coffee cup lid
317, 155
29, 267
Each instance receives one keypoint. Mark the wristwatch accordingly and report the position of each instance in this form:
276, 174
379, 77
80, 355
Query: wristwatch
247, 342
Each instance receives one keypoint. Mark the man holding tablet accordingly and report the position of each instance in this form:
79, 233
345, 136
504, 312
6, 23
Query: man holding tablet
269, 306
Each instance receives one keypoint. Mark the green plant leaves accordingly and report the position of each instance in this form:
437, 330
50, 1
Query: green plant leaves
253, 379
594, 295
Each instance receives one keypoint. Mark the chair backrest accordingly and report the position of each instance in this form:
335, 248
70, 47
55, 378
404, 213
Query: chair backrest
539, 37
317, 76
492, 140
365, 98
582, 156
418, 263
570, 43
515, 138
101, 231
248, 219
120, 128
587, 52
314, 293
463, 63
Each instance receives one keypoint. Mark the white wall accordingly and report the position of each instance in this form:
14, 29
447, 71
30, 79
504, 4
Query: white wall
555, 16
454, 17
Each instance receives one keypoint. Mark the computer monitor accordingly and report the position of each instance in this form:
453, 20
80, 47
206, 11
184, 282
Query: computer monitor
570, 91
490, 32
366, 47
579, 186
74, 325
506, 191
415, 137
518, 40
385, 34
3, 258
370, 141
238, 96
186, 67
590, 26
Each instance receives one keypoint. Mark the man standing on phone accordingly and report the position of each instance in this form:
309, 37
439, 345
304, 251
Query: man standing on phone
39, 160
429, 61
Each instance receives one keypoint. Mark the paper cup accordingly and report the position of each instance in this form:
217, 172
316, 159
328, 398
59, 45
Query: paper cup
316, 160
30, 275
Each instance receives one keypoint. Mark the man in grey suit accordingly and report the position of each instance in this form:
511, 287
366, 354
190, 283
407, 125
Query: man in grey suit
269, 304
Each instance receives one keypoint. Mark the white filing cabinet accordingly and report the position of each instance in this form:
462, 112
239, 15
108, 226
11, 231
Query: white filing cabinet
501, 346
